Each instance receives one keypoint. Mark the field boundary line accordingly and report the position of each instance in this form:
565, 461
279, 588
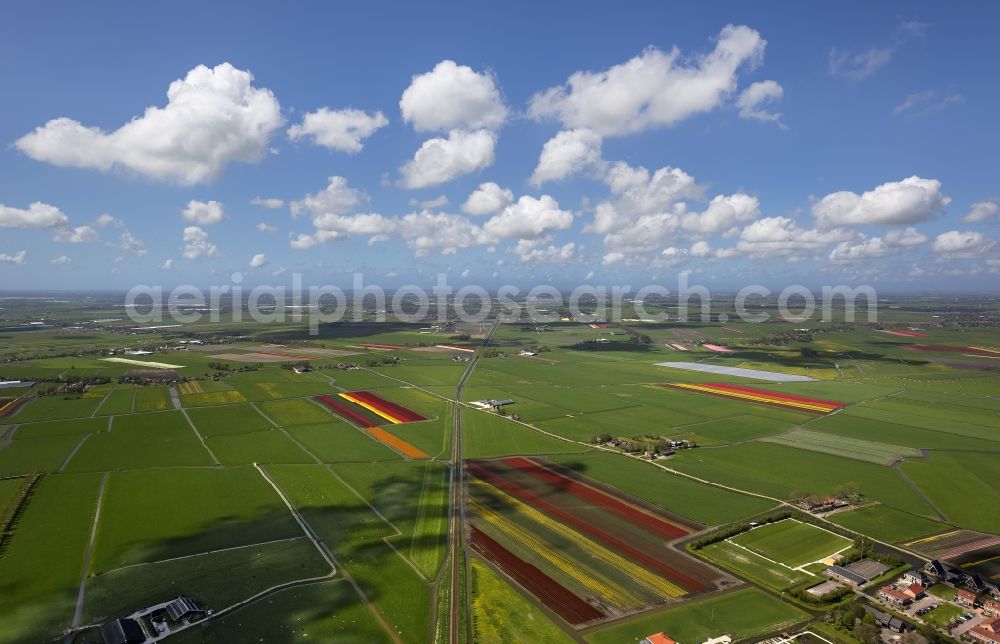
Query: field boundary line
85, 570
93, 414
328, 556
76, 449
200, 554
198, 434
920, 493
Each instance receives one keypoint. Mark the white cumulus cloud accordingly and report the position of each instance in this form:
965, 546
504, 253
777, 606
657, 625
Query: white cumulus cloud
487, 199
203, 213
258, 261
267, 202
440, 160
337, 198
566, 154
62, 260
196, 244
961, 243
723, 212
427, 231
213, 116
36, 215
897, 202
343, 130
755, 101
452, 96
982, 211
77, 235
18, 259
781, 236
528, 218
653, 89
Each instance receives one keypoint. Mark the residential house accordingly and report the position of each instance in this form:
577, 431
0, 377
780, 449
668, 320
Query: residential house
658, 638
991, 608
987, 632
890, 595
965, 597
914, 591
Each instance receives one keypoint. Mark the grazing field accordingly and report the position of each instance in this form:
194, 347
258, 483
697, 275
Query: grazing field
741, 614
485, 434
218, 579
41, 562
501, 614
691, 499
119, 402
55, 407
960, 485
151, 515
294, 412
355, 535
792, 542
266, 446
887, 524
45, 454
324, 612
229, 419
336, 441
158, 439
879, 453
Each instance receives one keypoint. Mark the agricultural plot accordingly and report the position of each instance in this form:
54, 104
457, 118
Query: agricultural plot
501, 614
887, 524
218, 579
152, 399
325, 612
55, 407
695, 501
337, 441
44, 454
152, 515
355, 535
294, 412
41, 563
118, 403
753, 374
224, 397
580, 538
229, 419
792, 543
742, 614
775, 399
159, 439
264, 446
71, 427
485, 435
862, 450
960, 485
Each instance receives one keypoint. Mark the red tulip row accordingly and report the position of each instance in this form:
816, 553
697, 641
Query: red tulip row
550, 592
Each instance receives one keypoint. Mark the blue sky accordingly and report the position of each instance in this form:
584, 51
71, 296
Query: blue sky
776, 143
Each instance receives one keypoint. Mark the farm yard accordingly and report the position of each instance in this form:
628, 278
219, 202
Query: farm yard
570, 532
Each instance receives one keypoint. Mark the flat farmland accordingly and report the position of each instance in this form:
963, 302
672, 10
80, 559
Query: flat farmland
264, 446
696, 501
792, 542
486, 434
337, 441
228, 419
55, 407
294, 412
887, 524
218, 579
152, 399
328, 612
960, 485
44, 454
157, 439
41, 563
862, 450
151, 515
355, 535
119, 402
501, 614
741, 614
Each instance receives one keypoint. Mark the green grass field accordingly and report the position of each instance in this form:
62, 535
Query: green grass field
158, 439
740, 614
878, 453
887, 524
294, 412
691, 499
960, 485
151, 515
42, 562
792, 543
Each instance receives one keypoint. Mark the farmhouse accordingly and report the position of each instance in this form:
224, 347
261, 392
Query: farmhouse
914, 591
846, 576
891, 596
911, 577
122, 631
885, 620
